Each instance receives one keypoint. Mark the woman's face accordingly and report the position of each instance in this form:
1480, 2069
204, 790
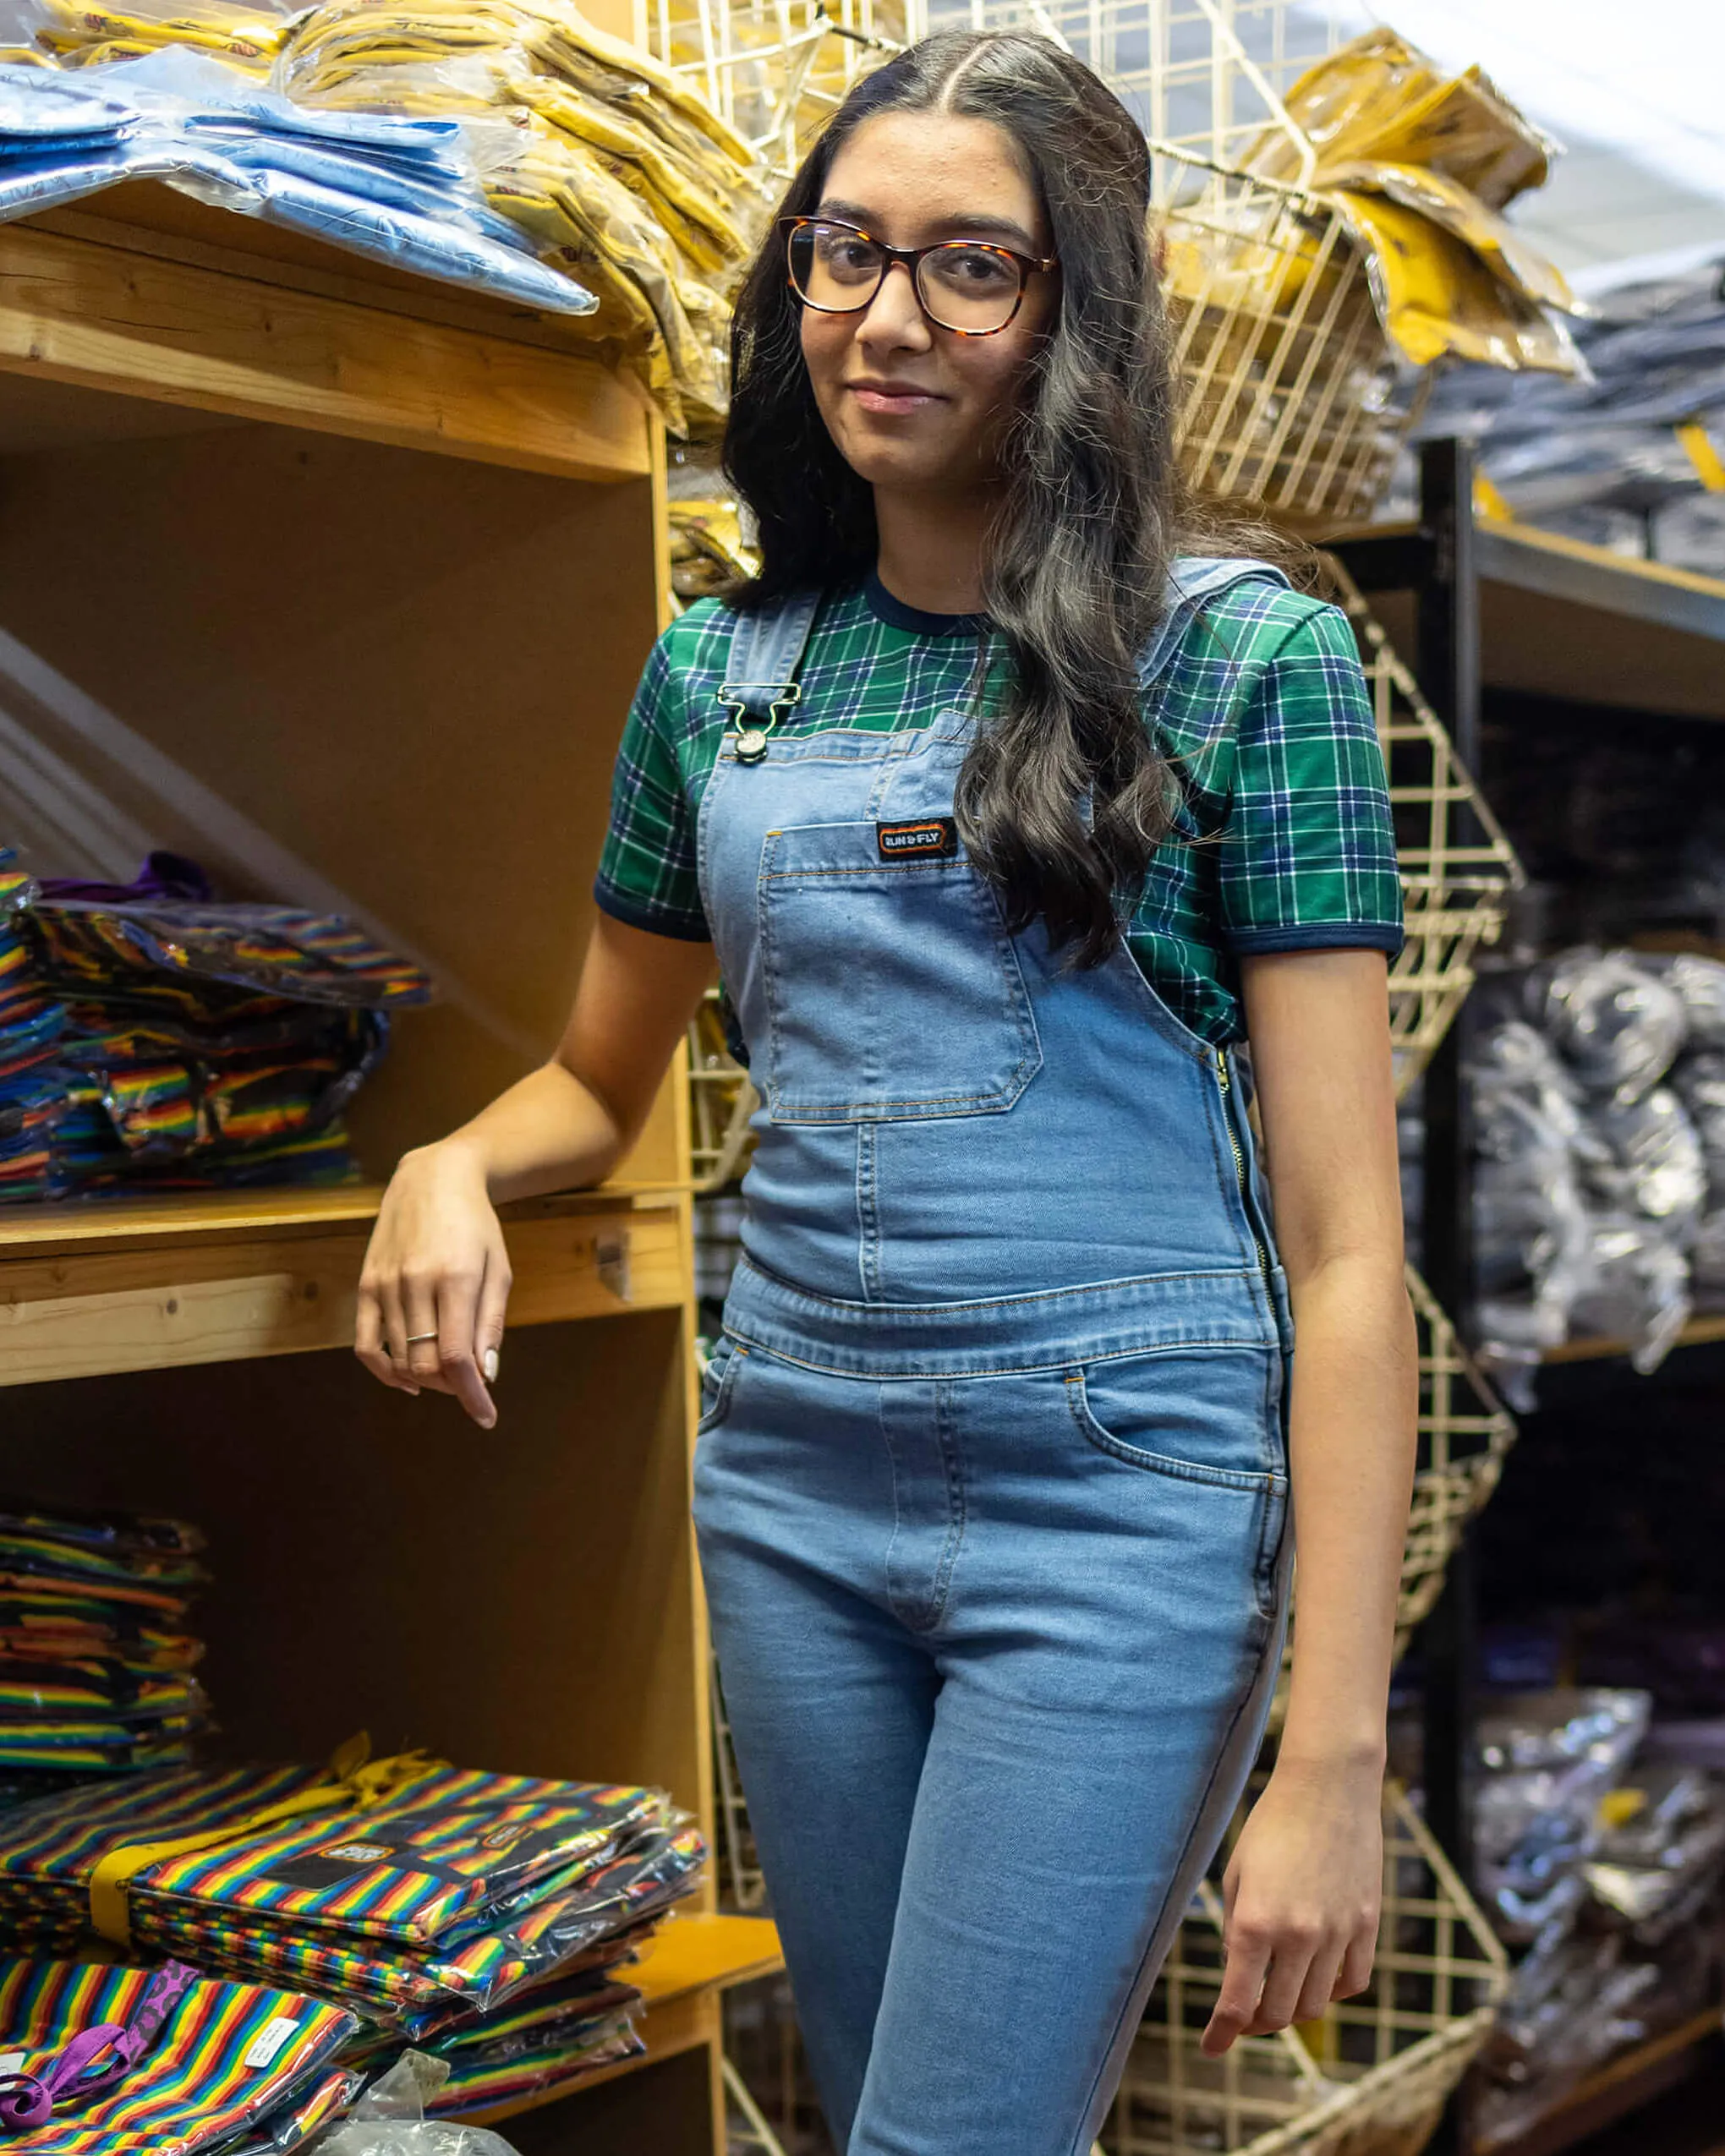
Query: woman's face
910, 405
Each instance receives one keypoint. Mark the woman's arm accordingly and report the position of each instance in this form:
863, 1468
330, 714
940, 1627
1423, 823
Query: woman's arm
436, 1264
1303, 1888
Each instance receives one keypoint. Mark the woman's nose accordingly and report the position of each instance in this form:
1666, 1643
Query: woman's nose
895, 314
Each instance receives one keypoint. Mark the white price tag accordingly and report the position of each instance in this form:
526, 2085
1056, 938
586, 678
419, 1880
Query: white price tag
269, 2039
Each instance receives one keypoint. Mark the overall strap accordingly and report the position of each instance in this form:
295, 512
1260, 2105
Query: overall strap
766, 651
1193, 580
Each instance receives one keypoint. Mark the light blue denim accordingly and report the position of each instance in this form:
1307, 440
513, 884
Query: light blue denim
991, 1485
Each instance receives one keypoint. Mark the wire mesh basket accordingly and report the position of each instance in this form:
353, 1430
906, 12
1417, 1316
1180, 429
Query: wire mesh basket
1458, 868
775, 69
721, 1101
1290, 398
1369, 2079
1465, 1434
1208, 76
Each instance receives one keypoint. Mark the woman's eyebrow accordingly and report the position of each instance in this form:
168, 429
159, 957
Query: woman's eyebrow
980, 226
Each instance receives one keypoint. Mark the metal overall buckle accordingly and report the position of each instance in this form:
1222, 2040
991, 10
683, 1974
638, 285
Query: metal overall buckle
752, 740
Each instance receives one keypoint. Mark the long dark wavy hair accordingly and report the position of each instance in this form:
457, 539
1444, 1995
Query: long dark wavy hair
1092, 507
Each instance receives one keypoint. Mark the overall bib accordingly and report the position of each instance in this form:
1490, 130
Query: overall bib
991, 1483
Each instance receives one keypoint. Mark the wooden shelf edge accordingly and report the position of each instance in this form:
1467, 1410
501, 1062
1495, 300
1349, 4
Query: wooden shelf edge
104, 317
1698, 1332
184, 1219
681, 1975
171, 1291
1619, 2086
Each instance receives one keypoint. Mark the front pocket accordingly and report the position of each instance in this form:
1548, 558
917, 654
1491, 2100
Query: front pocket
1201, 1415
893, 990
718, 1384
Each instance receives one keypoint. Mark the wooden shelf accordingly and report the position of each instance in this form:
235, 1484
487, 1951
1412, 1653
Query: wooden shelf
1697, 1334
681, 1975
299, 336
1621, 2086
165, 1283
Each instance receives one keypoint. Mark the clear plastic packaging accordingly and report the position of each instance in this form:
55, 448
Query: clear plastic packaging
1648, 1159
1639, 1290
1616, 1024
393, 189
389, 2119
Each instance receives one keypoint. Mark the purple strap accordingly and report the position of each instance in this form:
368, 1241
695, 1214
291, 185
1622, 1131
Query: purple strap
28, 2100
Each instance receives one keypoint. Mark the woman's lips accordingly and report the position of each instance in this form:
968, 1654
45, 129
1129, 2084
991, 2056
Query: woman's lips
893, 403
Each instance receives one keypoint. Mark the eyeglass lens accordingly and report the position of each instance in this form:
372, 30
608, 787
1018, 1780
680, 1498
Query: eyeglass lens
962, 285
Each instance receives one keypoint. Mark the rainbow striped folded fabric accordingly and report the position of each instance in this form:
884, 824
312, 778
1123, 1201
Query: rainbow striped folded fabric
407, 1890
151, 1035
95, 1648
228, 2065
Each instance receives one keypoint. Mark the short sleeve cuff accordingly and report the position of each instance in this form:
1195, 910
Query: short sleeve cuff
657, 920
1386, 936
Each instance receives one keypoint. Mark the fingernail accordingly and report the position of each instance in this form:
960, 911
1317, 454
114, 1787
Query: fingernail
488, 1365
488, 1422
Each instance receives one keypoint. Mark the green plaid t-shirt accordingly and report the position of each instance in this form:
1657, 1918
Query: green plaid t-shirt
1283, 841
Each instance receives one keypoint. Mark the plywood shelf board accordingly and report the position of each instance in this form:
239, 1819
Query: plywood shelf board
103, 1310
108, 319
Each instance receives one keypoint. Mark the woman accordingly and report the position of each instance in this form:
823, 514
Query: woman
1007, 824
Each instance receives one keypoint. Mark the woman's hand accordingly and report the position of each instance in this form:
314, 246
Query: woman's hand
436, 1275
1301, 1898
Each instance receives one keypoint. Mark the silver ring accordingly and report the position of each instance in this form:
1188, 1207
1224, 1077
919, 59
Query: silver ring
414, 1338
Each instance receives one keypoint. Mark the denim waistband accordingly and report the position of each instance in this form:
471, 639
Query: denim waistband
1048, 1330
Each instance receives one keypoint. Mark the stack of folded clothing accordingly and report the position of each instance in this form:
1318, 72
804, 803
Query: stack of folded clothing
188, 1044
401, 191
104, 2057
32, 1096
96, 1653
244, 37
617, 171
481, 1917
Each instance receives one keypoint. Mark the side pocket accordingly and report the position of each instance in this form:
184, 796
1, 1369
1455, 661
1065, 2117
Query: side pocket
719, 1382
1274, 1532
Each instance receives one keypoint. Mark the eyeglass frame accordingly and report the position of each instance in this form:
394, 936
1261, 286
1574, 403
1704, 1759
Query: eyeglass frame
912, 257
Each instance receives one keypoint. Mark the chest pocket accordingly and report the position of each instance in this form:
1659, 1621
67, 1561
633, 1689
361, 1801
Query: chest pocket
893, 990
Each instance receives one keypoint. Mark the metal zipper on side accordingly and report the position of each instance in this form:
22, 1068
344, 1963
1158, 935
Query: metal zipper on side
1227, 1085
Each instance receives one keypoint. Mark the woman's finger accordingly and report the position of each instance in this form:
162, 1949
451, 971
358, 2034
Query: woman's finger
1242, 1984
493, 1314
368, 1338
1320, 1985
396, 1329
1355, 1971
1290, 1964
423, 1298
457, 1355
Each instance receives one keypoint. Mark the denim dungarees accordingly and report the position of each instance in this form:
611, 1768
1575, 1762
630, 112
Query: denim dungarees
991, 1484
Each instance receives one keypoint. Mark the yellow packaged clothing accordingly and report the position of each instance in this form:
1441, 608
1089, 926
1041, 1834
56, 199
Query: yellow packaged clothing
708, 552
1379, 98
1497, 243
1438, 298
81, 36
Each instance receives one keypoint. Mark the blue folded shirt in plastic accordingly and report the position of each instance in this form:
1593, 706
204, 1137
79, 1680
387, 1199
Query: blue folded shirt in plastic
400, 190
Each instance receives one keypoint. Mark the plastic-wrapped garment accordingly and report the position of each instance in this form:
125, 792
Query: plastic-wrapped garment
94, 1655
708, 551
1616, 1024
1662, 1846
1640, 1291
615, 171
224, 2057
1550, 1759
1707, 1260
390, 2119
190, 109
418, 1992
1381, 98
1699, 981
244, 36
1533, 1241
1652, 1162
1699, 1081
